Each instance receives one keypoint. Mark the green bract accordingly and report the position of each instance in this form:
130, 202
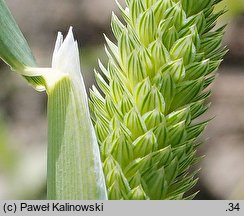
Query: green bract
154, 87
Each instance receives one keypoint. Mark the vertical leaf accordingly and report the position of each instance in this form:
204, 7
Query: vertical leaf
74, 164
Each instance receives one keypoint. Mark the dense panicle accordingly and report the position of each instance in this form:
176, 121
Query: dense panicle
153, 88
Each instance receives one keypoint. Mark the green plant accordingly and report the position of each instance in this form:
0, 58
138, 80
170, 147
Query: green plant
74, 167
153, 89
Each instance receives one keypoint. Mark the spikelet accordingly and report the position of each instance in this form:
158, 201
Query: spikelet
153, 88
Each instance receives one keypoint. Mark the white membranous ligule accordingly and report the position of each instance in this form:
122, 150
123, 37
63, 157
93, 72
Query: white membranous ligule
154, 86
65, 62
